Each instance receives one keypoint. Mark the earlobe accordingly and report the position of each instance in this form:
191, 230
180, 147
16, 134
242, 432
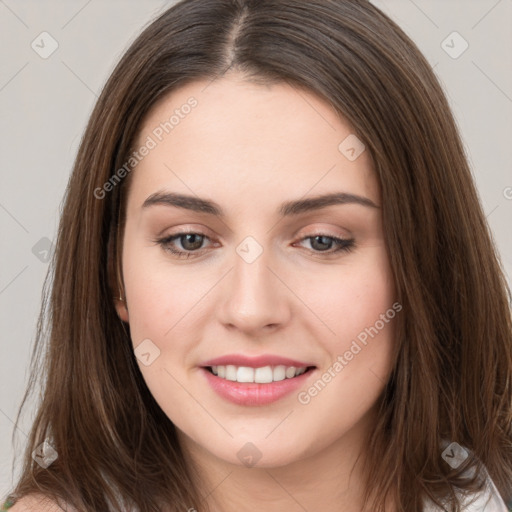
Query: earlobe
122, 309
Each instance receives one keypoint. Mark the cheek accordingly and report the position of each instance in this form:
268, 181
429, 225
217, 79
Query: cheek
352, 297
158, 293
361, 310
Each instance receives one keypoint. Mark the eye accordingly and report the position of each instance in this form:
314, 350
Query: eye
191, 244
323, 243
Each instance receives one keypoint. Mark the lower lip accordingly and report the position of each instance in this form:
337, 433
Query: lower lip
252, 393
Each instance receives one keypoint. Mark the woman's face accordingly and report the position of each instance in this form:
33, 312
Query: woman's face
263, 282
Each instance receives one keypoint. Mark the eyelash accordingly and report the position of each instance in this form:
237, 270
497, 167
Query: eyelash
344, 244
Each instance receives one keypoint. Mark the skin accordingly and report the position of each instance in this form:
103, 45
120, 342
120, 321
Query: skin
249, 148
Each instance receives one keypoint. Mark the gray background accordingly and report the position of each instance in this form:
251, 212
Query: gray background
45, 103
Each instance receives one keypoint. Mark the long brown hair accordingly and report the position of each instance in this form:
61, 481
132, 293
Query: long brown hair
452, 379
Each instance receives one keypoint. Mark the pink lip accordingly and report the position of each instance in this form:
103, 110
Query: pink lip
252, 393
255, 362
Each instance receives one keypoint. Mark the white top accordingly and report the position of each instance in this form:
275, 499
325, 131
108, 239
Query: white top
488, 500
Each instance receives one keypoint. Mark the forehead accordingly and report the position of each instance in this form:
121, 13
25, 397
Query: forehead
245, 140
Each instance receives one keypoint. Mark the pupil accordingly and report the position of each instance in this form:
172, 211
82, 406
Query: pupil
197, 244
323, 243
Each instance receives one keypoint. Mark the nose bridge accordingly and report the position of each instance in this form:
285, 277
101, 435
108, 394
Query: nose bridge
254, 297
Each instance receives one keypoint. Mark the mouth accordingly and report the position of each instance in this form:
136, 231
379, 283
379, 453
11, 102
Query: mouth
250, 380
261, 375
256, 386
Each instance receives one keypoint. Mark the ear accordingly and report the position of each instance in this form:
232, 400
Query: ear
122, 310
114, 280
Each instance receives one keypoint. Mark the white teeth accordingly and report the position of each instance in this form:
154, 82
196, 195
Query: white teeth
245, 374
290, 372
263, 375
230, 372
279, 373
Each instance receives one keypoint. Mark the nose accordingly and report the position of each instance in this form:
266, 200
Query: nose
254, 298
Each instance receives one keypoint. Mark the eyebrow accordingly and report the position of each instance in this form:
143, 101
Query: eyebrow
289, 208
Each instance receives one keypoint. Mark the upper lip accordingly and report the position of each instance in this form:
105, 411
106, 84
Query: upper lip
255, 362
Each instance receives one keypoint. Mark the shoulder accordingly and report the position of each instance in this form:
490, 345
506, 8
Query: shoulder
37, 503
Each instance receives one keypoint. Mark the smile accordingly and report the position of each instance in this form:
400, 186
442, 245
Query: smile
247, 386
262, 375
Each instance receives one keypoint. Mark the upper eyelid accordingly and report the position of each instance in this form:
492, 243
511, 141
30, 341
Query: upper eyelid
314, 232
202, 230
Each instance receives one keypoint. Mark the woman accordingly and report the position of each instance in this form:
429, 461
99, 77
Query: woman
274, 286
